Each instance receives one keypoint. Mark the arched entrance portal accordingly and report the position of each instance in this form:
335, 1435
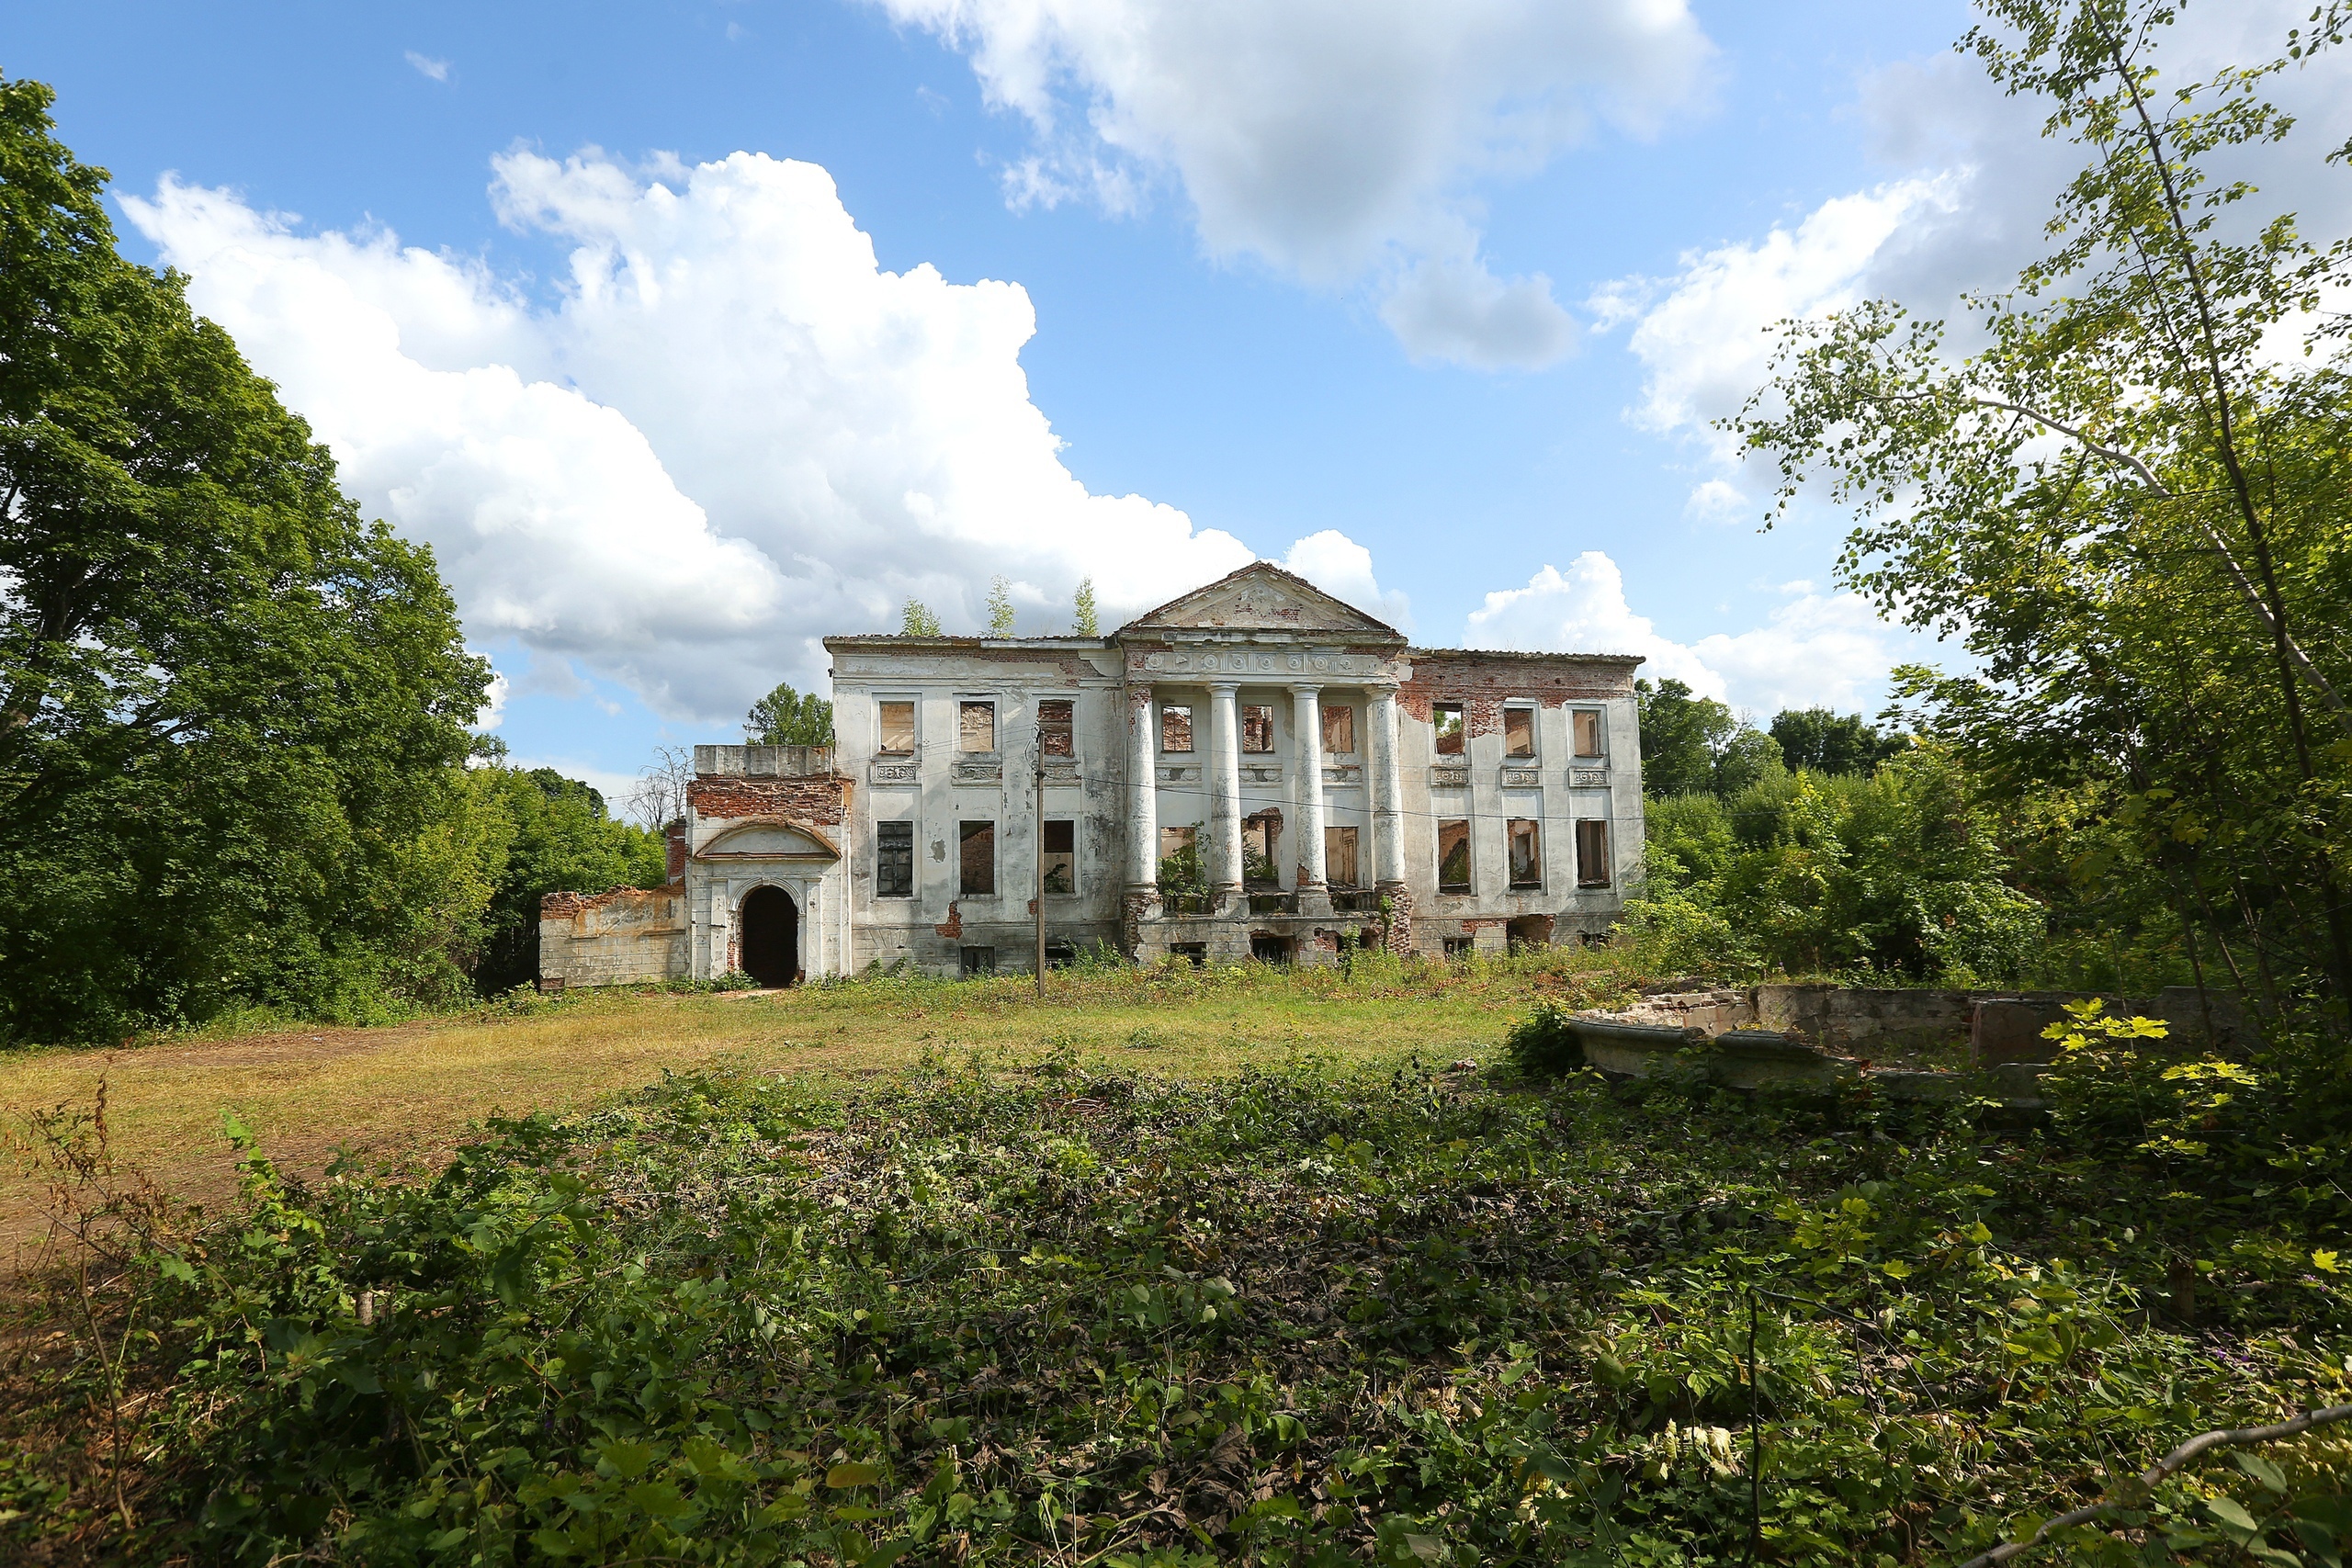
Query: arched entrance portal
769, 938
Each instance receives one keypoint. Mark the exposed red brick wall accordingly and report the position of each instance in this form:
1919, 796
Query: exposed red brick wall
821, 800
955, 926
563, 905
1482, 685
673, 843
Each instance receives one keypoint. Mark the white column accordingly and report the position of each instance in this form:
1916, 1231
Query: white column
1143, 791
1387, 792
1224, 794
1306, 716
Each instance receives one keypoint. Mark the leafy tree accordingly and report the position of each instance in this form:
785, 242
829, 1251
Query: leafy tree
784, 718
1693, 743
231, 713
1902, 874
554, 836
1000, 619
1087, 623
2129, 505
917, 620
1826, 742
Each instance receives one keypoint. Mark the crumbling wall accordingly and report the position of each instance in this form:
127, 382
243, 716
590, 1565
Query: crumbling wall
626, 937
820, 799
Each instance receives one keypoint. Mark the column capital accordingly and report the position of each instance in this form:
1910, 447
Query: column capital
1306, 688
1222, 688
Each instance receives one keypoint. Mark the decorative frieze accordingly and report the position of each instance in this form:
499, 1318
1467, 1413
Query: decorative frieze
892, 774
1255, 661
976, 772
1522, 776
1588, 778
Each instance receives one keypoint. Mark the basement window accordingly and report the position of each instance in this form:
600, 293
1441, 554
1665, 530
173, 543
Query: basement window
1454, 857
978, 962
1445, 720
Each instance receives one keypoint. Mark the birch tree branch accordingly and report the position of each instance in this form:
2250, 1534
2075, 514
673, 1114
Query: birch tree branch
2148, 1478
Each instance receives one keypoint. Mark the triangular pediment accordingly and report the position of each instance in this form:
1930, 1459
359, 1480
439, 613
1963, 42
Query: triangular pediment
1263, 597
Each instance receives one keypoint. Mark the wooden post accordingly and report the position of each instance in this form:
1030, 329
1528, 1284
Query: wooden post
1040, 905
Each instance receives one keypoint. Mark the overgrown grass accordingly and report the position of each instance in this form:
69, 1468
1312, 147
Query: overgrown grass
992, 1309
304, 1090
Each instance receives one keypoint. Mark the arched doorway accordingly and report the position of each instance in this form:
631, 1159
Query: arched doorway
768, 941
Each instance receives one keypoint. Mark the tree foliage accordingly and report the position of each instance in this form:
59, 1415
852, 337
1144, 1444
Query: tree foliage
231, 713
552, 835
1085, 621
784, 718
918, 620
1820, 740
2129, 505
1899, 875
1691, 743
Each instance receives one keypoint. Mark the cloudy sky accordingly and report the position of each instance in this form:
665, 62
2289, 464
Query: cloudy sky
690, 331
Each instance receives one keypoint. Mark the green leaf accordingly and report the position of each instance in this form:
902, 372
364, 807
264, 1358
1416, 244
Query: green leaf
855, 1472
2261, 1469
2233, 1514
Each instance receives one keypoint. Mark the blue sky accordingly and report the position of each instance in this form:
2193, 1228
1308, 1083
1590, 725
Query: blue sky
1453, 310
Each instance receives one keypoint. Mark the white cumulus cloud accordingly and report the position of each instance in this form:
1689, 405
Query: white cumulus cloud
1826, 649
1333, 138
731, 435
438, 70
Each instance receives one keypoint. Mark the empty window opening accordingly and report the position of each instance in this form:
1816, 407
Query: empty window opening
976, 727
1340, 864
976, 962
1061, 857
1176, 726
1055, 737
1257, 728
1588, 728
1458, 947
898, 729
1339, 730
1592, 854
1445, 718
894, 860
1274, 950
1529, 933
1060, 955
1454, 857
1262, 839
1180, 876
1195, 953
1518, 732
1526, 853
978, 869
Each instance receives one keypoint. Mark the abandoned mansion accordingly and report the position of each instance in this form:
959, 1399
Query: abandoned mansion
1254, 769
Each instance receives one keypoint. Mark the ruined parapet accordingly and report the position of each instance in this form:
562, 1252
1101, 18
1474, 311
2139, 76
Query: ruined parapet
762, 762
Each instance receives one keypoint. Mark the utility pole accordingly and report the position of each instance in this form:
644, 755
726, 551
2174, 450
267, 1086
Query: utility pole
1040, 903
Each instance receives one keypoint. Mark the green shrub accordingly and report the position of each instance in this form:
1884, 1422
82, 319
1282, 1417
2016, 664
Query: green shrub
1544, 1045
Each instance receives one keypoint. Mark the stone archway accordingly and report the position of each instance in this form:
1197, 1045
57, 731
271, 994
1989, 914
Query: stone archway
768, 937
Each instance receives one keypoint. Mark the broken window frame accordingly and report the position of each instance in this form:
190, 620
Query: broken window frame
1057, 726
965, 709
1522, 719
1457, 829
1526, 871
1262, 866
1176, 724
1585, 723
1593, 853
1450, 730
1342, 856
1061, 864
976, 963
1256, 726
1339, 730
883, 727
982, 834
894, 860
